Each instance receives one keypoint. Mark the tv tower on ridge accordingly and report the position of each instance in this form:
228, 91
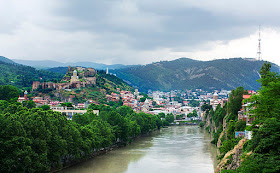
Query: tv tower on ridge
259, 58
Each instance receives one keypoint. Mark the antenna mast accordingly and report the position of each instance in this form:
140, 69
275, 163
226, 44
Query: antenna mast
259, 47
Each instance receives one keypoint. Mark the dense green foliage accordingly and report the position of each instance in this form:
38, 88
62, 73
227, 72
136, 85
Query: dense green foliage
169, 118
39, 140
22, 76
265, 146
206, 107
217, 117
186, 73
265, 107
235, 102
8, 92
266, 138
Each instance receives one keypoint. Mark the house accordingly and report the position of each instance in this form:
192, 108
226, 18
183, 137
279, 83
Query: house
70, 112
81, 106
244, 113
40, 101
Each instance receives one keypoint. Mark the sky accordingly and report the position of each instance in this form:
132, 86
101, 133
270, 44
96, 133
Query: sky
138, 31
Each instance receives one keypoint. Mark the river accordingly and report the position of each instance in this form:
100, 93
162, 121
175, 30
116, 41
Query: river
174, 149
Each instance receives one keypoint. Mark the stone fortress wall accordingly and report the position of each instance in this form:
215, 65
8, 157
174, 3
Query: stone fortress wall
75, 77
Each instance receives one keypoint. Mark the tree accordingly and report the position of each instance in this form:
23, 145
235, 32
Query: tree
125, 110
235, 102
29, 104
45, 107
266, 104
169, 118
40, 140
265, 145
67, 104
266, 138
194, 113
240, 125
143, 99
206, 107
179, 117
266, 75
161, 115
8, 92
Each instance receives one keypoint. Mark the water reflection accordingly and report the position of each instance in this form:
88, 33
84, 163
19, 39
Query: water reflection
174, 149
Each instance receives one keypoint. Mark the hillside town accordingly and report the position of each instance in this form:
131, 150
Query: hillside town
181, 104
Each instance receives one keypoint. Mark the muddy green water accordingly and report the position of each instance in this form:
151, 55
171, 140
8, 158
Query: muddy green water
174, 149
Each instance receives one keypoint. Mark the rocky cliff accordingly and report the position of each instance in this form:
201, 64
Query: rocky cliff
232, 159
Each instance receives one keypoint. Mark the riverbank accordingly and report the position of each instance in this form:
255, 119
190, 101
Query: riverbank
95, 154
102, 152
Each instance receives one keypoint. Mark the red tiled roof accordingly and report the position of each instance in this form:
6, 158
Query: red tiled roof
246, 96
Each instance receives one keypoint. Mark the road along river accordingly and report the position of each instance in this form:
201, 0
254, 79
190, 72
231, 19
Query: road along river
174, 149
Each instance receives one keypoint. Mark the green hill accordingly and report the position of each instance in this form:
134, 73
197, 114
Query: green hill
185, 73
105, 84
6, 60
22, 76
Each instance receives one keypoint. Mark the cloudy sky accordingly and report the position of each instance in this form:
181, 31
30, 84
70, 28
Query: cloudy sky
138, 31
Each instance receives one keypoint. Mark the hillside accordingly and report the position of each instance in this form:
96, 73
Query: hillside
6, 60
185, 73
80, 85
61, 70
22, 76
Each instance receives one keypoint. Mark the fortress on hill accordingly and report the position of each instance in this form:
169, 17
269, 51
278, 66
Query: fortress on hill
75, 77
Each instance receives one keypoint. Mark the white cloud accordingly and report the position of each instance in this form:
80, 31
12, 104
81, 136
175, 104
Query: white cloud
243, 47
137, 32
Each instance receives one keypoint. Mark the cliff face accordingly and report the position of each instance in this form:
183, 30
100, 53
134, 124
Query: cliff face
229, 149
219, 143
232, 159
209, 125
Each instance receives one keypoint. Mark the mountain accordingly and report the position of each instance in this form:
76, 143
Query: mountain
39, 63
22, 76
185, 73
6, 60
45, 64
61, 70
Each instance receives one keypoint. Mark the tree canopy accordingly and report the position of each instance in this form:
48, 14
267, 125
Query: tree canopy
39, 139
